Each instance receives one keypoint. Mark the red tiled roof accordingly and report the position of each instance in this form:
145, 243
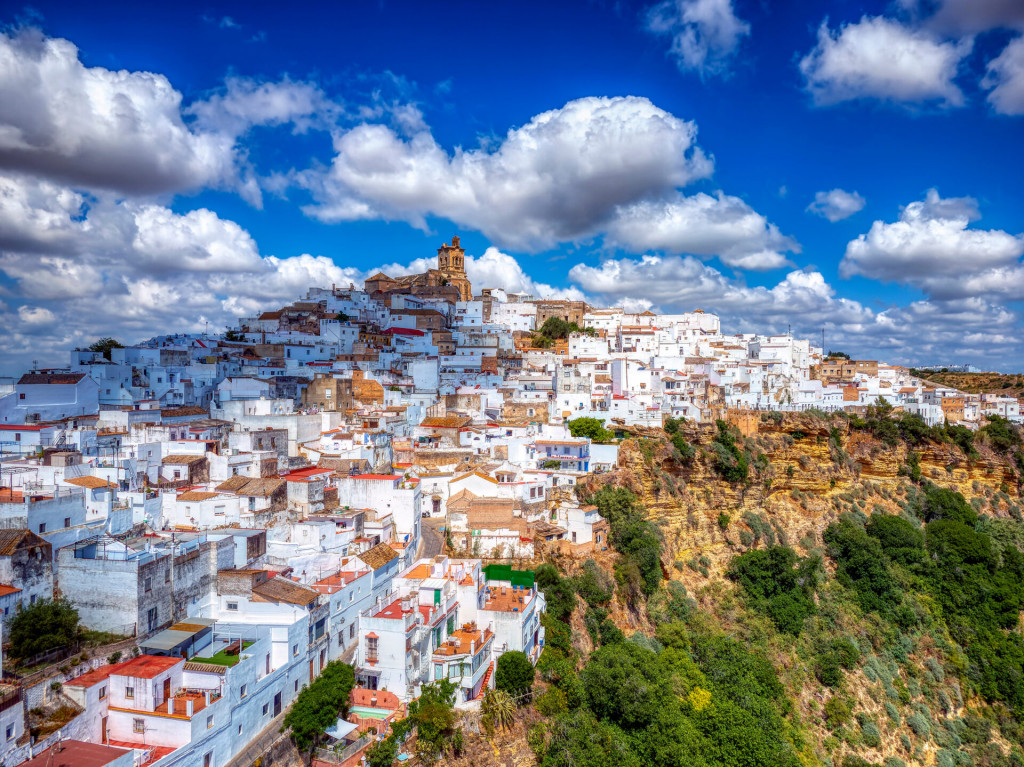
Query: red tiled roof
378, 476
6, 589
23, 427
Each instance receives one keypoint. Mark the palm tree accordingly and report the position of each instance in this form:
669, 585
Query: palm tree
497, 708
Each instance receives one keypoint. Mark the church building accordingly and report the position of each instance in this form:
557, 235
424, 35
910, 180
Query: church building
448, 280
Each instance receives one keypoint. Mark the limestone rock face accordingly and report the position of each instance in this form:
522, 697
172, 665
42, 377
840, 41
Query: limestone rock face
804, 486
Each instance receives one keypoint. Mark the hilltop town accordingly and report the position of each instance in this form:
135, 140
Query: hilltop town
369, 475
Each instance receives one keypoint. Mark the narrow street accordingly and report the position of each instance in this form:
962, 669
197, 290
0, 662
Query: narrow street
431, 537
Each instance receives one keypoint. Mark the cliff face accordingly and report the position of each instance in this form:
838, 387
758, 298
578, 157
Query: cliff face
807, 477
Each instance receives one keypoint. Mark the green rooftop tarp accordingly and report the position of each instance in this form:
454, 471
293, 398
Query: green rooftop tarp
522, 578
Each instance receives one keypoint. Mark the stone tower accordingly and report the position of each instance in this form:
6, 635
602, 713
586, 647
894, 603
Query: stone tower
451, 265
451, 259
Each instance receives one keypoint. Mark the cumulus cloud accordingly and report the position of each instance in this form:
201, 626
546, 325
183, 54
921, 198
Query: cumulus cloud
705, 33
931, 247
878, 58
1005, 79
559, 177
99, 129
96, 127
836, 204
83, 267
702, 225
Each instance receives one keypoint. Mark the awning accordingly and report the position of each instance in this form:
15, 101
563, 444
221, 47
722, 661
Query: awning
340, 729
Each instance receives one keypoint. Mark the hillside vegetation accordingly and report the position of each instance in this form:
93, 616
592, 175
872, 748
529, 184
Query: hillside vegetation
826, 590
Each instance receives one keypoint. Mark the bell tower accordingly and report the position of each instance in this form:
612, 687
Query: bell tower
451, 259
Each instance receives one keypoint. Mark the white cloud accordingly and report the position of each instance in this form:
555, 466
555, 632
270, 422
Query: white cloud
96, 127
557, 178
705, 33
702, 225
1005, 79
836, 204
89, 267
879, 58
244, 103
932, 248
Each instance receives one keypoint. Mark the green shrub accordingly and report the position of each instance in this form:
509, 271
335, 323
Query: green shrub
514, 673
919, 725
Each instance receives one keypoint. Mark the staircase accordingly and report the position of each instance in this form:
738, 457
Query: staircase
487, 678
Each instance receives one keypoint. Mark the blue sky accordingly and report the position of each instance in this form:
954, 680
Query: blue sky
167, 166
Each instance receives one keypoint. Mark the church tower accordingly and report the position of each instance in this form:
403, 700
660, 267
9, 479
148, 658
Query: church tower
451, 264
450, 259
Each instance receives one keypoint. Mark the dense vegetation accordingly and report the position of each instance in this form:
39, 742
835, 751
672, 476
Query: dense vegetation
48, 624
591, 428
319, 705
557, 329
897, 640
690, 696
433, 719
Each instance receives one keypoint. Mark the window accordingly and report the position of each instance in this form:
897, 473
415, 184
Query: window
42, 527
103, 693
149, 584
243, 691
371, 649
295, 650
21, 396
129, 692
138, 724
67, 521
167, 575
351, 596
232, 606
10, 731
266, 709
352, 631
209, 722
17, 438
296, 685
208, 760
239, 729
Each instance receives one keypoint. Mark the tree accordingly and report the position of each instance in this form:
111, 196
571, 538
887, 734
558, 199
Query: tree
382, 753
341, 317
514, 673
105, 345
319, 705
433, 715
556, 327
497, 708
234, 335
591, 428
48, 624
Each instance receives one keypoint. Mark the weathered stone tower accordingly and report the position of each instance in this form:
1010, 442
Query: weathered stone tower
451, 264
